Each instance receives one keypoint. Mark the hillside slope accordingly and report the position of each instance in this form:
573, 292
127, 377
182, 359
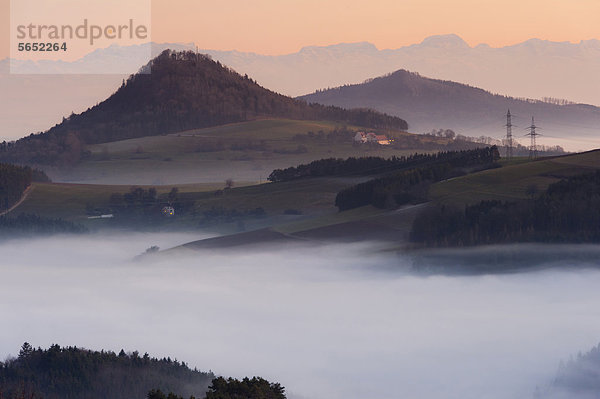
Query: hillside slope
430, 104
511, 182
245, 151
176, 91
390, 228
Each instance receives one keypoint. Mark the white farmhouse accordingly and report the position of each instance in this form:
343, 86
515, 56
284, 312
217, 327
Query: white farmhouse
360, 137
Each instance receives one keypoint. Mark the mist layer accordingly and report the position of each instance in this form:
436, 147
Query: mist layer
327, 322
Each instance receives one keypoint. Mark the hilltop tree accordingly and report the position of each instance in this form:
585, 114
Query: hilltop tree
25, 351
255, 388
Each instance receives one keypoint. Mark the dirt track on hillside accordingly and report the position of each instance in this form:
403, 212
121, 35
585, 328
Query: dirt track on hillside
26, 193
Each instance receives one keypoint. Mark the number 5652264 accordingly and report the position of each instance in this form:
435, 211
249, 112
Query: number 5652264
42, 46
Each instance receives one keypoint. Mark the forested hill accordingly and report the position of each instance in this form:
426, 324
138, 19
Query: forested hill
568, 211
431, 104
183, 91
577, 378
73, 373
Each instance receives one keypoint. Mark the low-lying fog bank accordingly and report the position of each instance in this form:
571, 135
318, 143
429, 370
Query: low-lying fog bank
325, 322
511, 258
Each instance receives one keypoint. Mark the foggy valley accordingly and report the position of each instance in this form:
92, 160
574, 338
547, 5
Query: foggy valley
333, 321
299, 200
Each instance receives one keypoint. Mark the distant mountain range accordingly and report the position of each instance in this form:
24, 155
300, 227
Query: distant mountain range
432, 104
533, 69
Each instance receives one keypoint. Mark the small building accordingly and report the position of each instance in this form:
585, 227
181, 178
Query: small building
168, 211
382, 139
371, 137
360, 137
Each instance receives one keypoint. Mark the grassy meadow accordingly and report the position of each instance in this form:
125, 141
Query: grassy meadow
247, 151
198, 162
514, 181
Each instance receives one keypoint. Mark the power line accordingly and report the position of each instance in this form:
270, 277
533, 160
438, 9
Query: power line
533, 135
509, 138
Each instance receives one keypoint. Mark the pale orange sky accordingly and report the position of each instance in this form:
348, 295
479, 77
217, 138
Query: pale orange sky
284, 26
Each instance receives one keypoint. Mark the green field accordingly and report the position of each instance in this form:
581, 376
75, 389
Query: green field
512, 181
250, 152
329, 219
302, 206
303, 200
69, 201
180, 160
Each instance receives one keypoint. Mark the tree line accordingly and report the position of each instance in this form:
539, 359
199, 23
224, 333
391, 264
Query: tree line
143, 205
27, 225
74, 373
409, 185
340, 167
568, 211
578, 377
231, 388
14, 180
378, 165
